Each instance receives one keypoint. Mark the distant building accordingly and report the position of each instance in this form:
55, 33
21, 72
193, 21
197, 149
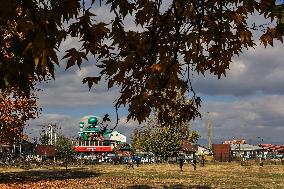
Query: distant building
222, 152
117, 136
17, 148
92, 140
45, 151
229, 152
246, 151
272, 151
123, 149
187, 147
187, 150
238, 141
201, 150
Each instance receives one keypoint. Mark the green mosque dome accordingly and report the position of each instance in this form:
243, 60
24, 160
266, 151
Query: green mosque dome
92, 120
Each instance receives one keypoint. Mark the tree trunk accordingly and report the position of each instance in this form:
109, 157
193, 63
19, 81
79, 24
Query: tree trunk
66, 163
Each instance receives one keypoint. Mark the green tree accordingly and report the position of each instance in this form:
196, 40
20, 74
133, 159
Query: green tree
142, 139
146, 63
64, 149
164, 141
43, 138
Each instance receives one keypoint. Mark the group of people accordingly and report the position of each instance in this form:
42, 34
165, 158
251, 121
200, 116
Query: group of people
131, 159
182, 160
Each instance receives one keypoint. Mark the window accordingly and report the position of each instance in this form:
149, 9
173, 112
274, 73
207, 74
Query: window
99, 143
106, 143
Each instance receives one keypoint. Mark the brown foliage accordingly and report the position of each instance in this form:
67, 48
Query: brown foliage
15, 110
225, 175
149, 64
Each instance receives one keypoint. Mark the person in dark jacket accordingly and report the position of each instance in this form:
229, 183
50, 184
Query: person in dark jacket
202, 160
181, 162
194, 161
137, 160
130, 162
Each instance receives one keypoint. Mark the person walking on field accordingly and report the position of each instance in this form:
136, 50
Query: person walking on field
130, 162
181, 162
194, 161
202, 160
137, 160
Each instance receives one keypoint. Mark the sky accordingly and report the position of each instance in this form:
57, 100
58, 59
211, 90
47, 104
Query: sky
248, 103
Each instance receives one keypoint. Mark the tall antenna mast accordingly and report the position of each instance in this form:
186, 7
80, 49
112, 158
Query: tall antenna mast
209, 129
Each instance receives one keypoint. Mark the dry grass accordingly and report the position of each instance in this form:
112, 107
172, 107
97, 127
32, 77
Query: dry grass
225, 175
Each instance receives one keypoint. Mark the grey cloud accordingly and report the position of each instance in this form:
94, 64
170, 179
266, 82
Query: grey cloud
260, 70
68, 89
68, 124
248, 118
127, 128
75, 99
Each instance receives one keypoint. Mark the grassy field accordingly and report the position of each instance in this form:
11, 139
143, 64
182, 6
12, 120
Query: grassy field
225, 175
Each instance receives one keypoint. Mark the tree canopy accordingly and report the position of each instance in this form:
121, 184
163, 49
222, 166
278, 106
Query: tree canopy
43, 138
15, 110
64, 147
164, 141
172, 39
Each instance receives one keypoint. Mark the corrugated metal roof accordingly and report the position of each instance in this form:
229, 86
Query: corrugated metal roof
244, 147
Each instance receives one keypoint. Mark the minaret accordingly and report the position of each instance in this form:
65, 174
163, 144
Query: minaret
209, 128
81, 128
51, 132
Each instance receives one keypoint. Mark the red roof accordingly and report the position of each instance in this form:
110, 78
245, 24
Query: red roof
272, 147
187, 147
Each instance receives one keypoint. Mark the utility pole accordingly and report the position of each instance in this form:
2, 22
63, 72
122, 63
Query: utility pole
209, 129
